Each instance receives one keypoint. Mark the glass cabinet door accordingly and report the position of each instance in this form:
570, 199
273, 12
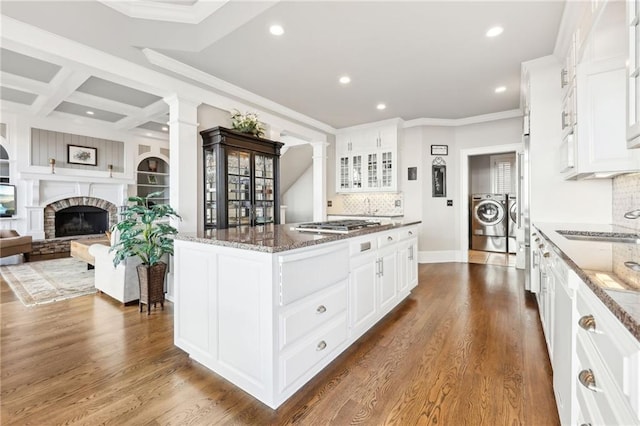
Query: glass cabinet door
387, 170
210, 186
372, 170
238, 188
344, 173
356, 171
264, 189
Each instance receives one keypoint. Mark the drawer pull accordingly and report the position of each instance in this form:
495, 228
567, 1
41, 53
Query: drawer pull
410, 232
365, 246
585, 424
537, 240
541, 246
546, 254
634, 266
321, 346
588, 322
321, 309
389, 238
588, 380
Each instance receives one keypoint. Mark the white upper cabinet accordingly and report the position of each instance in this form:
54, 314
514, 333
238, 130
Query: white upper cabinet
367, 159
633, 74
594, 134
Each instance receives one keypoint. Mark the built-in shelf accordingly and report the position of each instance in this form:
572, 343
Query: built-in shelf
153, 176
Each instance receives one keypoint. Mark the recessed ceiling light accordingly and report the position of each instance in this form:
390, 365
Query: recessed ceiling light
345, 79
495, 31
90, 112
381, 106
149, 134
500, 89
276, 30
165, 128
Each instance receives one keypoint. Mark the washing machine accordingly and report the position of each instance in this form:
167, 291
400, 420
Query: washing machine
489, 222
512, 205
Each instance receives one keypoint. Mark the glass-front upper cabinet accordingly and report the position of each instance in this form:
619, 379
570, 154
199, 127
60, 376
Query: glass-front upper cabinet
243, 188
633, 76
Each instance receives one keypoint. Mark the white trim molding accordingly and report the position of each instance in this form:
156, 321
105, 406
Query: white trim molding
446, 122
439, 256
169, 12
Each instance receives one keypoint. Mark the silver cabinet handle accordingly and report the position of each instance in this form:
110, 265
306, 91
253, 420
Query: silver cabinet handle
410, 232
633, 214
411, 253
321, 346
588, 322
321, 309
563, 78
588, 380
546, 254
537, 240
564, 123
634, 266
378, 269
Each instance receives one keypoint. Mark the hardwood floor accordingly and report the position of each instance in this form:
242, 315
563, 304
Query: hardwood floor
465, 348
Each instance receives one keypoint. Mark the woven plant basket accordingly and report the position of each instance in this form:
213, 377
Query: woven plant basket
151, 280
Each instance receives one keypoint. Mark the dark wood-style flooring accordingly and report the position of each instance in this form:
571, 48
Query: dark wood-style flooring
465, 348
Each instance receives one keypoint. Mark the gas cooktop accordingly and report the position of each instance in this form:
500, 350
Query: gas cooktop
336, 226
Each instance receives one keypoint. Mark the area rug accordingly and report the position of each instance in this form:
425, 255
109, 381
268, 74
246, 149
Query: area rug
49, 281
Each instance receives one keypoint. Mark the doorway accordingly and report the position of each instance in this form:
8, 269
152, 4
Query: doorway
489, 171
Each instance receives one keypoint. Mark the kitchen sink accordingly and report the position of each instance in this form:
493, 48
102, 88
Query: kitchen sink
610, 237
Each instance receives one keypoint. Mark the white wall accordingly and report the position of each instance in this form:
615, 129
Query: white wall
299, 199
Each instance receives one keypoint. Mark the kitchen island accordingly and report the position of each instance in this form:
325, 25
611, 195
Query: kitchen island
268, 307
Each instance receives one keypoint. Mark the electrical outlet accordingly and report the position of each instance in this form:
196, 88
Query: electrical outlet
398, 203
329, 203
449, 203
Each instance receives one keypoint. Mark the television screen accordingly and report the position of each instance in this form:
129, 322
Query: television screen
7, 200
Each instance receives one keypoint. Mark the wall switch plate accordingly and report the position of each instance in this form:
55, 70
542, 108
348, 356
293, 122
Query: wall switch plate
329, 203
449, 203
398, 203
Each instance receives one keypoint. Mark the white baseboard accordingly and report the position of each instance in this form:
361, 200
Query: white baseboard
439, 256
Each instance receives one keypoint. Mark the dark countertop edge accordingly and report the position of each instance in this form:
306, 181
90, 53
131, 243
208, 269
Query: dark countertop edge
365, 215
619, 312
328, 238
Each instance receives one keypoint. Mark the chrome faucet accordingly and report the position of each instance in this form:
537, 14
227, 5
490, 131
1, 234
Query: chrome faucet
633, 214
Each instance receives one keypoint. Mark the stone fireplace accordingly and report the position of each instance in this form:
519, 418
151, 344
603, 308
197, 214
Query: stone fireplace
78, 216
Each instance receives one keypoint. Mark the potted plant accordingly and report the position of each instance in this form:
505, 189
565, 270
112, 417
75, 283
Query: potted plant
247, 123
143, 232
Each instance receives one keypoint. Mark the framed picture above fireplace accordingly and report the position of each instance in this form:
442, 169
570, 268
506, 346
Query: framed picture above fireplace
82, 155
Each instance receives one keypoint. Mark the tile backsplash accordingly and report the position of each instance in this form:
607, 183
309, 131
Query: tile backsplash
372, 203
626, 197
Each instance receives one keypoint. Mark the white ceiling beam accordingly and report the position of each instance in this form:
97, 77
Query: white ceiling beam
103, 103
150, 133
144, 115
65, 83
24, 84
14, 107
157, 11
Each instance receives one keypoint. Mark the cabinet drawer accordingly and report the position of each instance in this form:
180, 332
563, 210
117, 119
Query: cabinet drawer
606, 401
618, 349
311, 270
362, 245
409, 232
306, 316
387, 239
296, 363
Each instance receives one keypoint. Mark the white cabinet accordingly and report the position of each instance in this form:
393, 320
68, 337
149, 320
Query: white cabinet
633, 74
408, 260
269, 322
594, 130
366, 159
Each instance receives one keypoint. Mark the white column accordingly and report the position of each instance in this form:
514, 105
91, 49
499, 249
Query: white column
183, 145
319, 180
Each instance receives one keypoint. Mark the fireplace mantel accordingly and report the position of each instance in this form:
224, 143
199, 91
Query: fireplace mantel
39, 193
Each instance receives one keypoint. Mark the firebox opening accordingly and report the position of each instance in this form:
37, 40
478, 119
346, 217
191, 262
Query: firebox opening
81, 220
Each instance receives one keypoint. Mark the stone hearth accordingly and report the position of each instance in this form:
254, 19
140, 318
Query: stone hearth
51, 209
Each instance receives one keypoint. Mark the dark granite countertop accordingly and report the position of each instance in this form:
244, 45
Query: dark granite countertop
601, 266
275, 238
365, 215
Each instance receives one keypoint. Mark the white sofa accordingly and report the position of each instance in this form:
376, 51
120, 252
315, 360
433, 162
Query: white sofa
120, 282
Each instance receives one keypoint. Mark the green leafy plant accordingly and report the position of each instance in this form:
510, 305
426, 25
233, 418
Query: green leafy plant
142, 233
247, 123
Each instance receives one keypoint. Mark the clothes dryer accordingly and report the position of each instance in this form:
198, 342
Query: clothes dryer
489, 222
512, 221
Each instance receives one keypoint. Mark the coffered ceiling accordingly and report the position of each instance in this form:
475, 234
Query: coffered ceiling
423, 59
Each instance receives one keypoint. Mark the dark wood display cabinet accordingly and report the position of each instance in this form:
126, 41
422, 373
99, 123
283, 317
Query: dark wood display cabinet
241, 179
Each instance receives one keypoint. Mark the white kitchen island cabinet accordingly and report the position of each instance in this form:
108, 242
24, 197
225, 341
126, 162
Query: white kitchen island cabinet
267, 308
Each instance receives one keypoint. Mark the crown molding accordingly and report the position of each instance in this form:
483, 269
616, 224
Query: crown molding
168, 12
445, 122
